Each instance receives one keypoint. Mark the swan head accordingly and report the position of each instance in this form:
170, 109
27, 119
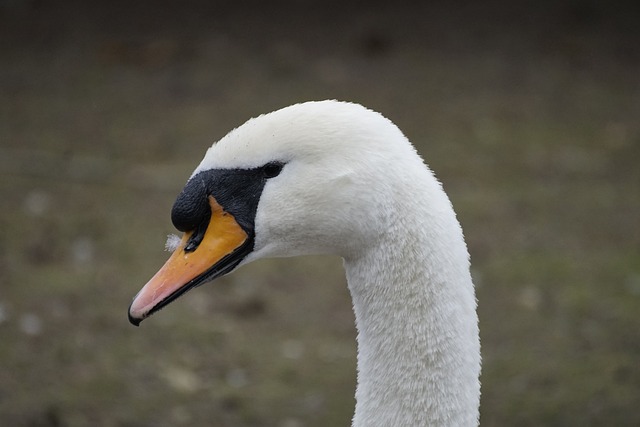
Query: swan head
313, 178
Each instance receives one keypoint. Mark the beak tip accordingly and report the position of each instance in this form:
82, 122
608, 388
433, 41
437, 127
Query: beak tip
134, 320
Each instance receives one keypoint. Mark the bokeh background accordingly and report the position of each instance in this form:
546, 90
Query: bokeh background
529, 112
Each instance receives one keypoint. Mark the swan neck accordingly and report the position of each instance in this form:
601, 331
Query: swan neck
418, 345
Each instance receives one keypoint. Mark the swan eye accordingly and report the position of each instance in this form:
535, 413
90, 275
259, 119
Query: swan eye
272, 169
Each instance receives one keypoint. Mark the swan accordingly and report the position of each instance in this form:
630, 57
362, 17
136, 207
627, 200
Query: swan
330, 177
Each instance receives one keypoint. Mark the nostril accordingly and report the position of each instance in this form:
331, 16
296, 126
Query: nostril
197, 237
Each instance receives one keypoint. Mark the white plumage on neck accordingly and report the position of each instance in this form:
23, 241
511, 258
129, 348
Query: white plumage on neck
418, 347
354, 186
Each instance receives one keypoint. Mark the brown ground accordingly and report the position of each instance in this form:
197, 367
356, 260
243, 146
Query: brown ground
529, 114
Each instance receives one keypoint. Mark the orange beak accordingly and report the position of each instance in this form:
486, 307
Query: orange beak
222, 248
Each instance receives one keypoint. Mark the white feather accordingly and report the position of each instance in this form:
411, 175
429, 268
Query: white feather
172, 243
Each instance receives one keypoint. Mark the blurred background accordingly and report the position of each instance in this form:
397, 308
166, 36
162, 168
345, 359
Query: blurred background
528, 112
